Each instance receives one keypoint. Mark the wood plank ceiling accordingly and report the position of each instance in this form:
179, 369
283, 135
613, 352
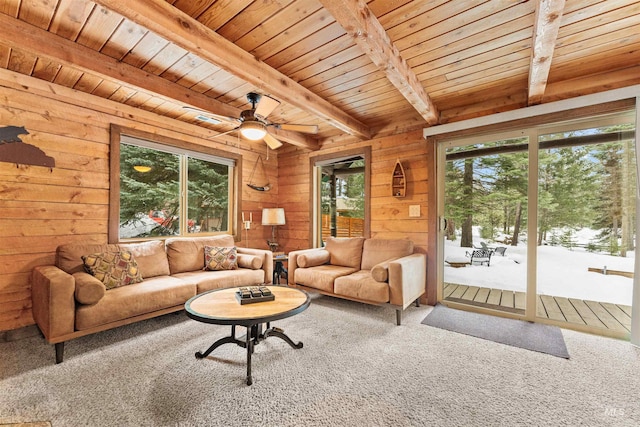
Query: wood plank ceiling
355, 69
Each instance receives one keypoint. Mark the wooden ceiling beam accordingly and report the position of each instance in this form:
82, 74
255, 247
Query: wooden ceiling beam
295, 138
17, 34
545, 33
181, 29
22, 36
361, 24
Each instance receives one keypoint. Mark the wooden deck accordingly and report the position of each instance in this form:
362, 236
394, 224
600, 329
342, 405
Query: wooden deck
610, 319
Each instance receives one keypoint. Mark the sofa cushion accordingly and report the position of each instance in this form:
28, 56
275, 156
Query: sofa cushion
217, 258
375, 251
346, 252
150, 256
89, 290
252, 262
187, 253
207, 280
69, 256
114, 269
360, 285
141, 298
322, 276
312, 259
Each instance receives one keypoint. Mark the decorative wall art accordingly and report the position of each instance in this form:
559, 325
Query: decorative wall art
14, 150
251, 184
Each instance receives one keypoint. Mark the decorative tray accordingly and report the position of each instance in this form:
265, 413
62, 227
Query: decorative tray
249, 295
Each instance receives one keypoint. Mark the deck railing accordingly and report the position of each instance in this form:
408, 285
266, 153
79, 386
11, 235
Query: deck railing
345, 227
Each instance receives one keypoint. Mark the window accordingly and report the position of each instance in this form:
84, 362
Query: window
164, 187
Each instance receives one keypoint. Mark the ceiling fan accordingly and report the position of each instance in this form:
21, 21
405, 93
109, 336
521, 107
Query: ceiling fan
253, 123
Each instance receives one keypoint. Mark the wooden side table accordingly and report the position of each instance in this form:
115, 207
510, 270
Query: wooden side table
279, 270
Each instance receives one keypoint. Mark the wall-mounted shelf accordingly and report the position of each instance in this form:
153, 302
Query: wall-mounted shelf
398, 181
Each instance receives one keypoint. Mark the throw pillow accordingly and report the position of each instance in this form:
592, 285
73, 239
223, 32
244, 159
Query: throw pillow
114, 269
313, 259
89, 290
251, 262
380, 272
220, 258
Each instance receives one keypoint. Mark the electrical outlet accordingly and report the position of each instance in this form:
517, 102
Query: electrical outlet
414, 211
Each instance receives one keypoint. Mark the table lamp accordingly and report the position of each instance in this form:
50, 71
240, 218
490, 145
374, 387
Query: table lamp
273, 217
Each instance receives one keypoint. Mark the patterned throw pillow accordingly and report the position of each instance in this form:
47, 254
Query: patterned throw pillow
114, 269
220, 258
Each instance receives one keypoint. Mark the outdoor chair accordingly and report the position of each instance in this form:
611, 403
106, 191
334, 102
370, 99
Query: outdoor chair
484, 246
480, 256
487, 248
500, 250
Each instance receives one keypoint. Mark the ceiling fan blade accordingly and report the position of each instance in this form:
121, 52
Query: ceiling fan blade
266, 106
299, 128
223, 133
272, 142
218, 117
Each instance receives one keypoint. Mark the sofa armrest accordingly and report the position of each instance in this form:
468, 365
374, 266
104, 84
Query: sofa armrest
407, 279
293, 261
267, 261
53, 302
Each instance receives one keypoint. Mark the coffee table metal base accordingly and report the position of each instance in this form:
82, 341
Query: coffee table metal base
253, 337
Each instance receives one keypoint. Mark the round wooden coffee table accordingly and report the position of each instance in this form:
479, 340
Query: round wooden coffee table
221, 307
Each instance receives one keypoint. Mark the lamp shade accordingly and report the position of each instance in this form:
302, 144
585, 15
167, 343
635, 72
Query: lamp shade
142, 168
273, 216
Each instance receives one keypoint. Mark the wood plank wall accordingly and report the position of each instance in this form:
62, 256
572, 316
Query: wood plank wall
42, 208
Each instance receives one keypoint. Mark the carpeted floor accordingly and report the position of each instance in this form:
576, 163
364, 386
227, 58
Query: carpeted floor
356, 368
519, 333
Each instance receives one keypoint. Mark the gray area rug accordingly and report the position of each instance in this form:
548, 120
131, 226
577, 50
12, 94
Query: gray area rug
357, 368
518, 333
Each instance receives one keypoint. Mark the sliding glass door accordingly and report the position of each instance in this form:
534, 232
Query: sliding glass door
485, 211
586, 224
540, 224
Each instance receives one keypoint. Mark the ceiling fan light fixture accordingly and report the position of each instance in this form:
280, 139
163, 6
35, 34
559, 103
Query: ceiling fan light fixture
253, 130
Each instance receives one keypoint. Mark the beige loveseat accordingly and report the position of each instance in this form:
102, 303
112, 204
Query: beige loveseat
373, 271
69, 303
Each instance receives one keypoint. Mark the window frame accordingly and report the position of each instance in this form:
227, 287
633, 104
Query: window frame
314, 192
184, 148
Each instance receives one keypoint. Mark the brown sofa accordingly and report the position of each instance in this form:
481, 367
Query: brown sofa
69, 303
373, 271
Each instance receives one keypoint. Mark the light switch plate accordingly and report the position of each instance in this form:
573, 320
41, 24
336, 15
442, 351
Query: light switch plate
414, 211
